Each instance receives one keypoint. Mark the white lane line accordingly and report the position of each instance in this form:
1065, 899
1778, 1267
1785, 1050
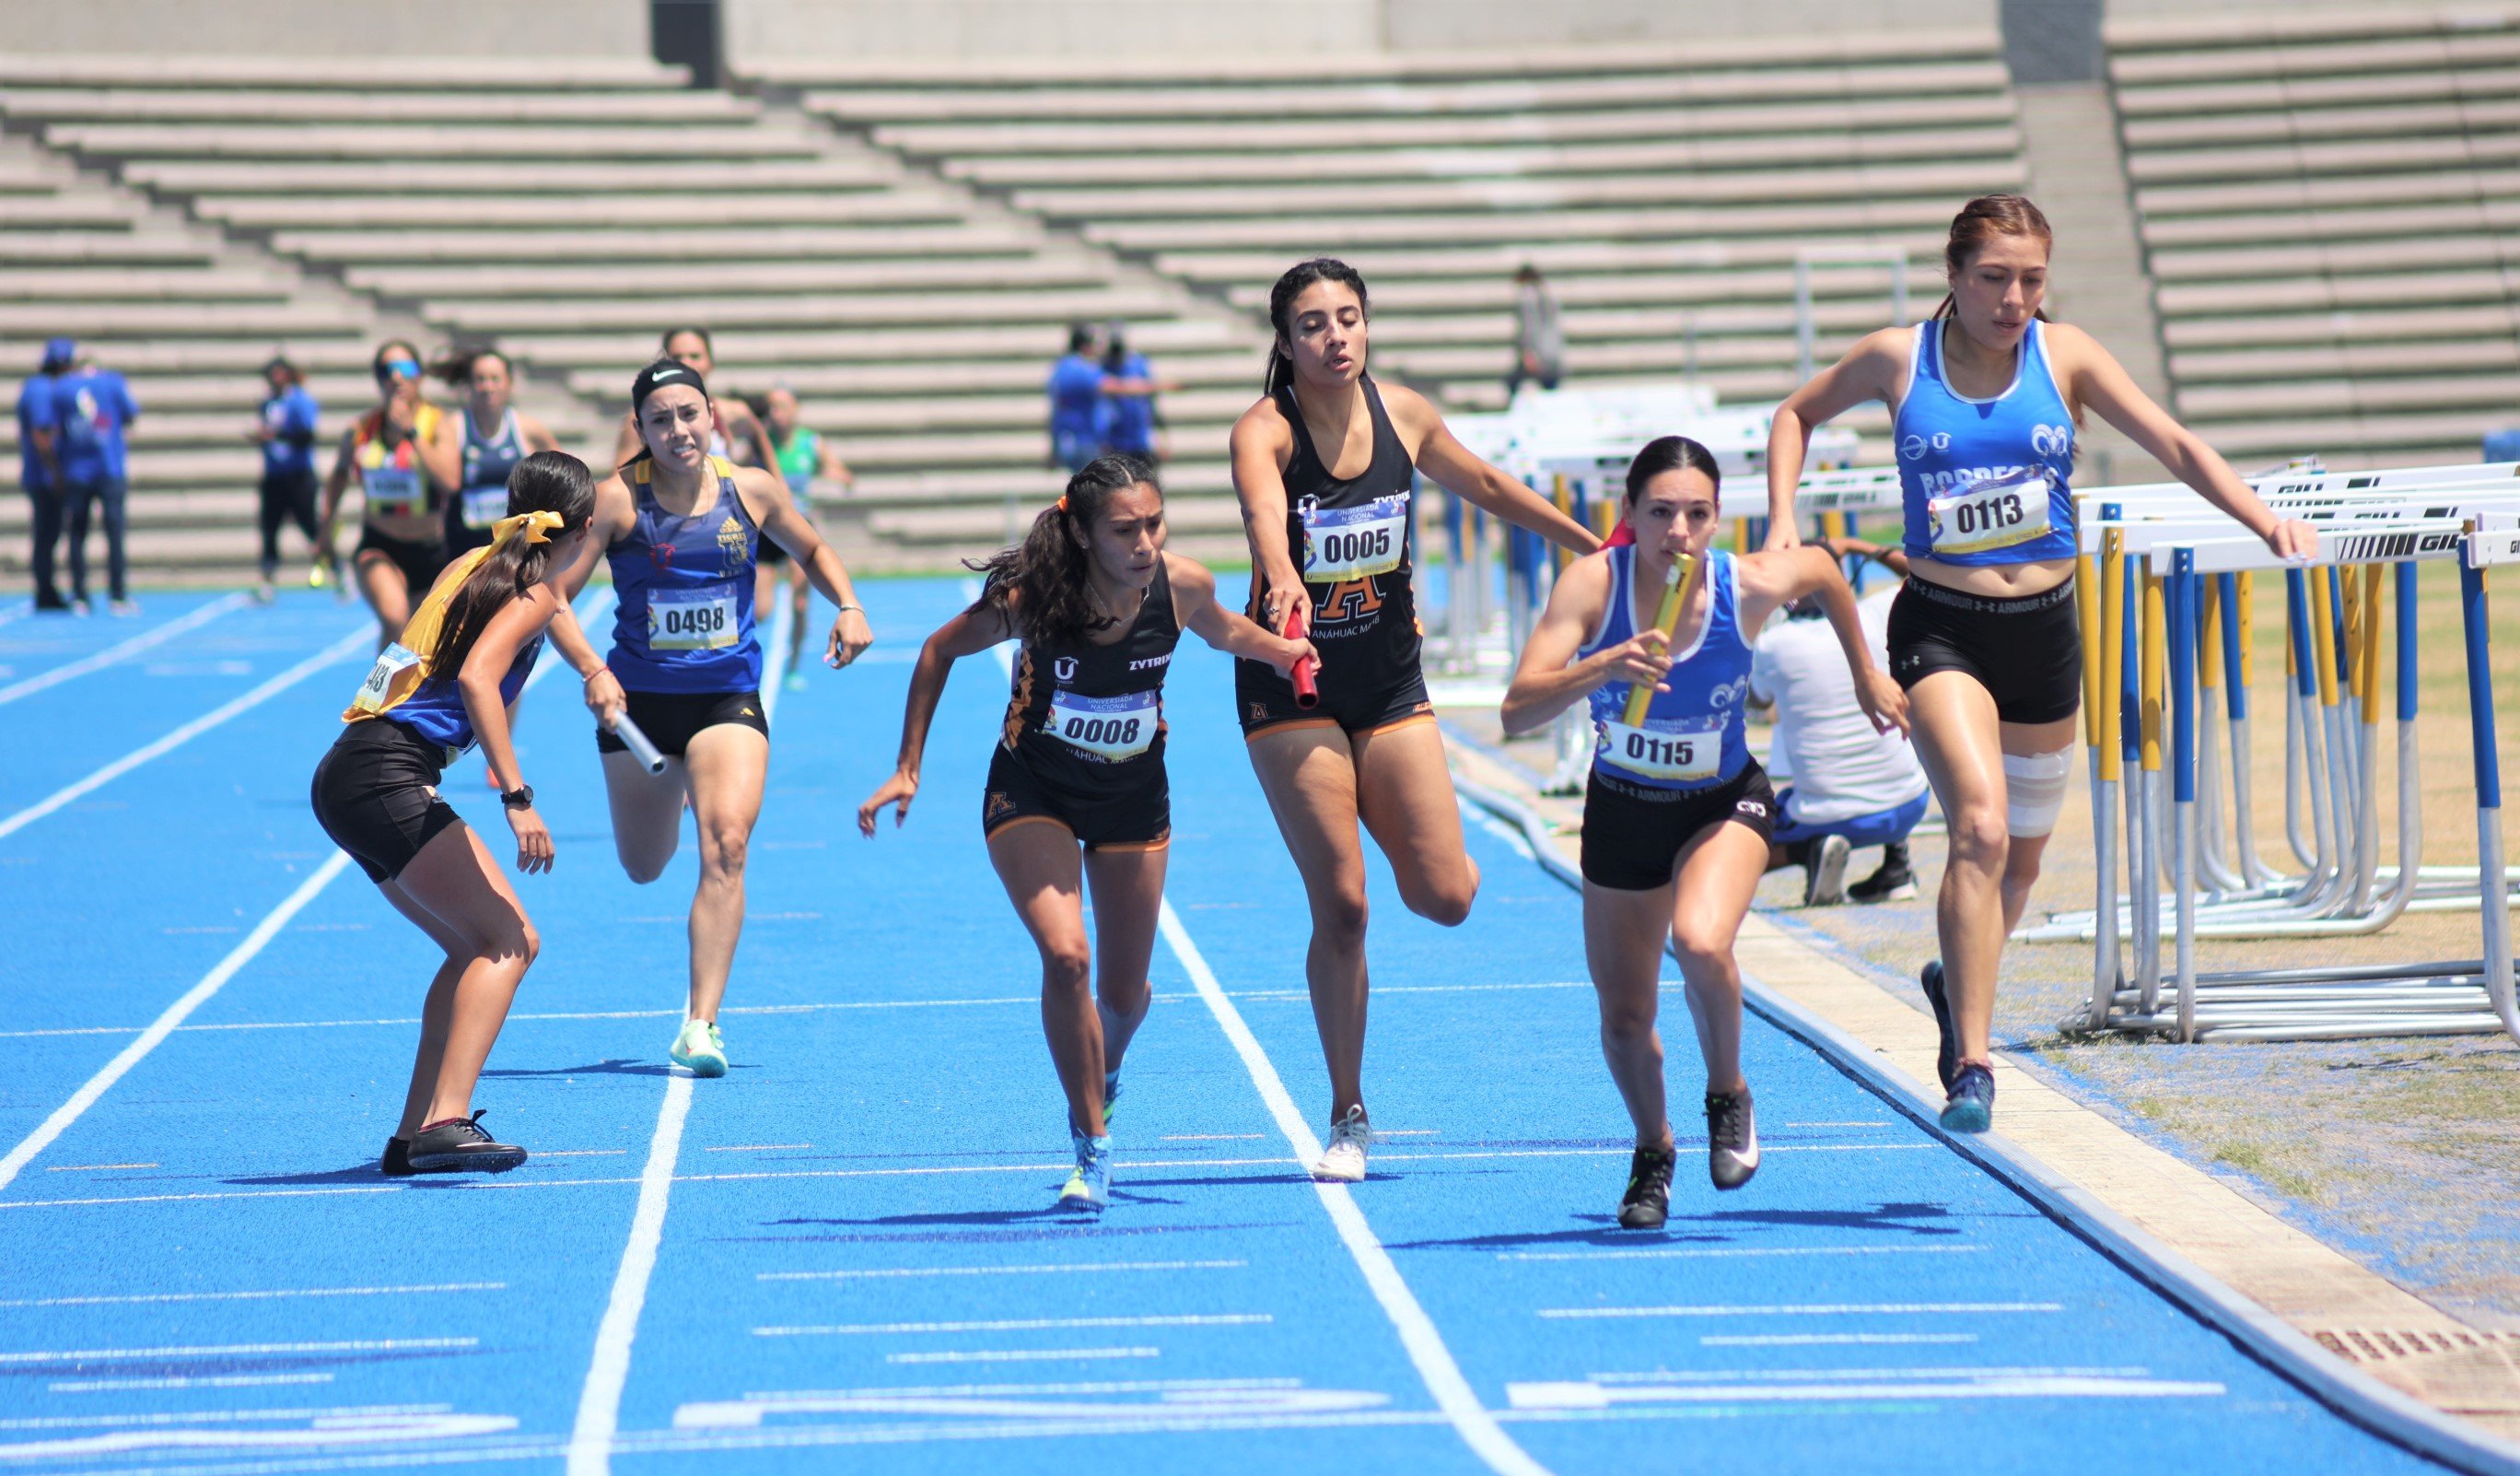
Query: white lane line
1080, 1267
1719, 1251
190, 620
261, 1295
1023, 1355
1830, 1339
182, 1381
1662, 1377
1017, 1324
599, 1401
165, 1025
1442, 1376
1197, 1137
1807, 1309
238, 1350
1585, 1396
756, 1147
331, 655
93, 1168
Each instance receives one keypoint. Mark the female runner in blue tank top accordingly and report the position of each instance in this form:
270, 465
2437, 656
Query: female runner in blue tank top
682, 529
1676, 813
1986, 400
1077, 795
482, 443
446, 684
1326, 466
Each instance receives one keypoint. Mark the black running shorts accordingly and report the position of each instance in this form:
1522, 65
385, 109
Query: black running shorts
1634, 833
376, 795
1266, 702
1129, 807
2027, 651
419, 559
670, 719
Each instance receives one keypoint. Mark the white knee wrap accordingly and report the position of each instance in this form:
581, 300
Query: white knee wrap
2034, 786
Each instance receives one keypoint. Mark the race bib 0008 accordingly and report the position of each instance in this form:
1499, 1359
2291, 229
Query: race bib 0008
1106, 727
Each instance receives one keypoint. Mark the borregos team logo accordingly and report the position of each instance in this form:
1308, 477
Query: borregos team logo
1914, 447
2052, 441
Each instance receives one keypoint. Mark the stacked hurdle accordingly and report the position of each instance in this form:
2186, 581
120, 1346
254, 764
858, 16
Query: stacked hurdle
2170, 579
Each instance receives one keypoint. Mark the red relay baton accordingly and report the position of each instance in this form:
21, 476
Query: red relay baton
1308, 693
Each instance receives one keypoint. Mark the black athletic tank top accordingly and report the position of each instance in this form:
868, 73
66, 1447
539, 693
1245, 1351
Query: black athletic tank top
1352, 539
1077, 709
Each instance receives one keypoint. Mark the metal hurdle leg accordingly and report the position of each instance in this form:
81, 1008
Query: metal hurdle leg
2183, 743
2322, 867
2237, 663
2105, 759
2146, 895
2493, 894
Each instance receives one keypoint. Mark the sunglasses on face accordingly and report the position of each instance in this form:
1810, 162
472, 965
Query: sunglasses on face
399, 369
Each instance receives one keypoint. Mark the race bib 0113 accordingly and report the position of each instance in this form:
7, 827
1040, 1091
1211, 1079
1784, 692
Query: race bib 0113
1995, 513
1672, 750
1342, 543
692, 620
1106, 727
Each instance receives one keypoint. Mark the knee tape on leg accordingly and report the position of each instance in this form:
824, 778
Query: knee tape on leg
2034, 786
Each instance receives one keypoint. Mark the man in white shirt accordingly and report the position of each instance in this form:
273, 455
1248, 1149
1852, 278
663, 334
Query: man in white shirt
1841, 783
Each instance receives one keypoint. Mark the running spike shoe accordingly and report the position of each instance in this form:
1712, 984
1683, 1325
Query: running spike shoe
1894, 881
1971, 1108
1089, 1184
1824, 872
1344, 1161
458, 1146
395, 1161
1732, 1138
1648, 1201
1947, 1056
701, 1048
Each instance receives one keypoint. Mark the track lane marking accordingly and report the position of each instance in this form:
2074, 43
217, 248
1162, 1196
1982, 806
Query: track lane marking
190, 620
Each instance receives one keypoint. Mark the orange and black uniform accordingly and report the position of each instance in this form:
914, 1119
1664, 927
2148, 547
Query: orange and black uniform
1084, 740
1352, 539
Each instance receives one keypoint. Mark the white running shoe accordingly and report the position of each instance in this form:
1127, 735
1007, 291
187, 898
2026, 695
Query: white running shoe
701, 1048
1344, 1161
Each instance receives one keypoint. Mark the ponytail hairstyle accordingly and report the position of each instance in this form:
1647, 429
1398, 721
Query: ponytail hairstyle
1670, 453
1981, 220
552, 482
456, 369
1282, 311
1048, 572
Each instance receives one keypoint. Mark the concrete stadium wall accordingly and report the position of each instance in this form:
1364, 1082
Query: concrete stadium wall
335, 28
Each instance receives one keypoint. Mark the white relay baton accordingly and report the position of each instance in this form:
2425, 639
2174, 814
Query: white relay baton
638, 745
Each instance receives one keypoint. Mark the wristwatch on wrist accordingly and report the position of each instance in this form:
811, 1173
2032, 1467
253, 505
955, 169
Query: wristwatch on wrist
519, 798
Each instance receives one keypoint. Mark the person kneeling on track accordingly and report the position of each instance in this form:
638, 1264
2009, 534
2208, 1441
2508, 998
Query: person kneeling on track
442, 687
1080, 761
1676, 812
682, 528
1846, 784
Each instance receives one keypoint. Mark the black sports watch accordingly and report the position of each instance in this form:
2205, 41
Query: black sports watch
519, 798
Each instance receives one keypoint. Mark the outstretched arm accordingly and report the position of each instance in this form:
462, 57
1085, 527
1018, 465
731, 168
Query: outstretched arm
1871, 370
1443, 457
974, 631
1770, 580
1260, 441
1195, 606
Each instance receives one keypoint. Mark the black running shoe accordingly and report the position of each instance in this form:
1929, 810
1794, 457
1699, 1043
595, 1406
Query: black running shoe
460, 1146
1893, 882
396, 1162
1732, 1138
1971, 1108
1947, 1057
1649, 1198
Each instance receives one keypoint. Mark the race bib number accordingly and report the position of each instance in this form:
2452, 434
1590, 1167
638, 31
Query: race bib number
392, 491
484, 506
1342, 543
1997, 512
1107, 727
379, 690
692, 620
1673, 750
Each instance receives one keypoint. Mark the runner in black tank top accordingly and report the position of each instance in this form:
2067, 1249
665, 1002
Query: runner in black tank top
1076, 794
1332, 552
1354, 539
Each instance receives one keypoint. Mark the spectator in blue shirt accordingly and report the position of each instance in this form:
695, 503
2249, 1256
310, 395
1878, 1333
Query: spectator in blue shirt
35, 468
1129, 389
1076, 402
91, 409
287, 431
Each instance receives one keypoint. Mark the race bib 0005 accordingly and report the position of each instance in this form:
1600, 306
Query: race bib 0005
692, 620
1672, 750
1342, 543
1995, 513
1106, 727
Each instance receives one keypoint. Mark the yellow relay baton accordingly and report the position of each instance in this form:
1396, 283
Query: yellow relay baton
1674, 593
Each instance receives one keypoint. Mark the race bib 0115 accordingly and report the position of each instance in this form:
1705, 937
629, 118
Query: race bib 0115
1107, 727
1672, 750
1342, 543
692, 620
1998, 512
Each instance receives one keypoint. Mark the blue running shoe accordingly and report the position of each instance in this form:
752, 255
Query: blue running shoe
1089, 1184
1971, 1108
1947, 1059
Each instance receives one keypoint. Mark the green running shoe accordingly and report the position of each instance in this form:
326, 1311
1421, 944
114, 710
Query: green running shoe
701, 1048
1089, 1184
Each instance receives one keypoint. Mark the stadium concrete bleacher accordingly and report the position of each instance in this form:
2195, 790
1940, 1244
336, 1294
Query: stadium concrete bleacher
2330, 203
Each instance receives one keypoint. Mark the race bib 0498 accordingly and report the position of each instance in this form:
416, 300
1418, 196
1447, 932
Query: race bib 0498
1995, 513
1106, 727
1343, 543
692, 620
1673, 750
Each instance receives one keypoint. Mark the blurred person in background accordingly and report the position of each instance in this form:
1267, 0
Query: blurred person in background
475, 448
92, 411
1076, 402
286, 427
35, 473
1129, 418
402, 536
1538, 343
806, 462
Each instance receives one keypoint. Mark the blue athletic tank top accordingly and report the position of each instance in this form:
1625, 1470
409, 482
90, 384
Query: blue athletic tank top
685, 622
1692, 735
435, 710
487, 461
1985, 481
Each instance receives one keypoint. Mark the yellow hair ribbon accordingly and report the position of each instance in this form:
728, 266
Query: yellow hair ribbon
537, 526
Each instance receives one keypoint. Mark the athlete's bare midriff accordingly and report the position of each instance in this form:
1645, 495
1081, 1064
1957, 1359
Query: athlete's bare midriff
1995, 581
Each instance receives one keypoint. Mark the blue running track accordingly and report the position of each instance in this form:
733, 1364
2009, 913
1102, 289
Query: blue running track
848, 1241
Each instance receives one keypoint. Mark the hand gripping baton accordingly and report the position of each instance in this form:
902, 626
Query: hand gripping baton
638, 745
1675, 592
1308, 692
